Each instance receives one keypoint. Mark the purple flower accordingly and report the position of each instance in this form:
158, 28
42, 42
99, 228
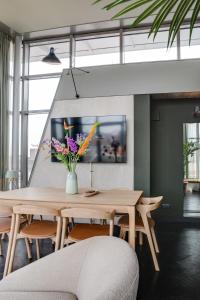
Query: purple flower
72, 145
55, 142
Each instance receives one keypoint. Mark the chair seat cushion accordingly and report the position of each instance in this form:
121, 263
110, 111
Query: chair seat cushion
5, 224
36, 296
85, 231
124, 221
39, 229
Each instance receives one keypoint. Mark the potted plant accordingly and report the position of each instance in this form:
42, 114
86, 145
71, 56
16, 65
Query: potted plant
189, 148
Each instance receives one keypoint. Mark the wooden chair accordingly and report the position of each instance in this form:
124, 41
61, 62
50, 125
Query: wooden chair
36, 230
5, 222
7, 228
83, 231
144, 224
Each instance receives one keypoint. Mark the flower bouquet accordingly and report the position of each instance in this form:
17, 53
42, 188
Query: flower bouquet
70, 152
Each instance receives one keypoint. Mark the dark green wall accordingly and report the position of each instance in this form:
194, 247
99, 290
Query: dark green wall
142, 143
161, 156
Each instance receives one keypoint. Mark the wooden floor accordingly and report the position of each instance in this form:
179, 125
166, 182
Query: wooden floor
192, 204
179, 278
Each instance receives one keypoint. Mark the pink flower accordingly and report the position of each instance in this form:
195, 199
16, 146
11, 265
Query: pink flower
58, 148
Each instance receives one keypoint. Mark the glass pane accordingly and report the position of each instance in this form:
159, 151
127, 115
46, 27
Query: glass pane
139, 48
38, 52
42, 92
192, 150
97, 51
36, 125
192, 51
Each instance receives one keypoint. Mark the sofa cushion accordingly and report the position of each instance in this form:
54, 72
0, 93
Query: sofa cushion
36, 296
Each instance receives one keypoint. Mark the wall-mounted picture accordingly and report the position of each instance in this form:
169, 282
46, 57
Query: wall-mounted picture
107, 146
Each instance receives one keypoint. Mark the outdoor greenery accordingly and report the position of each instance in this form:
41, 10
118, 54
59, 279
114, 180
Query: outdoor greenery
160, 11
189, 149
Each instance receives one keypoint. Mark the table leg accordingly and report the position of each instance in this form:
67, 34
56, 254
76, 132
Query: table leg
131, 237
12, 253
10, 240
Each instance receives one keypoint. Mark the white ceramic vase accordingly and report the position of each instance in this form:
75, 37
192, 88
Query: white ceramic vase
72, 183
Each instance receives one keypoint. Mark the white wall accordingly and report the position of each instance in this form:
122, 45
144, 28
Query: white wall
133, 79
106, 176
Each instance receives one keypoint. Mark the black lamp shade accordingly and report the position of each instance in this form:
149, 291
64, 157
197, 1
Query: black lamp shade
51, 58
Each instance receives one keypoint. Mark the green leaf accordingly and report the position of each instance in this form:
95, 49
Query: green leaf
194, 18
97, 1
114, 3
161, 16
178, 18
148, 12
131, 7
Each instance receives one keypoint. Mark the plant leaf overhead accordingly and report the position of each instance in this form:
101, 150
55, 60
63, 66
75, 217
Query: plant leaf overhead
175, 11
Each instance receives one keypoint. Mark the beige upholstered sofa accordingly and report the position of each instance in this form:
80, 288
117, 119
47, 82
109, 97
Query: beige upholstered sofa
100, 268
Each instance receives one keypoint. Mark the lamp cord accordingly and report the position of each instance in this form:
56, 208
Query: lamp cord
74, 82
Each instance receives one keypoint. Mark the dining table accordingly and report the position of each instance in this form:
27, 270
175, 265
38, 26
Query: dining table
119, 200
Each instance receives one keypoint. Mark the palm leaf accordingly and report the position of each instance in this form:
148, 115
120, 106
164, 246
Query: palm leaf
131, 7
194, 18
178, 18
161, 16
162, 8
114, 3
152, 8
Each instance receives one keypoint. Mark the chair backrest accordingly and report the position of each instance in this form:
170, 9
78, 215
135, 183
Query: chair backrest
5, 211
146, 205
89, 213
86, 213
35, 210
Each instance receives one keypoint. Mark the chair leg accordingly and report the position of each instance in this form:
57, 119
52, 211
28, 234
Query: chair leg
63, 235
140, 238
151, 245
37, 248
28, 248
12, 253
58, 233
0, 245
123, 233
154, 240
10, 240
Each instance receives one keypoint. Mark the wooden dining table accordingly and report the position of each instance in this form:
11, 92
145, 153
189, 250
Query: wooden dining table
122, 201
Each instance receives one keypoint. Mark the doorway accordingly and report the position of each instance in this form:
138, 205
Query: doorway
191, 162
168, 114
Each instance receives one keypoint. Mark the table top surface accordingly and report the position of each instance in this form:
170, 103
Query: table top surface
58, 195
192, 180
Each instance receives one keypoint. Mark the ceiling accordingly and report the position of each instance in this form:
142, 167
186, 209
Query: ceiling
27, 15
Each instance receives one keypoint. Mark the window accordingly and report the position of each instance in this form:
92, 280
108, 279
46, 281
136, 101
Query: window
36, 124
139, 48
41, 93
40, 85
191, 141
101, 50
192, 50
